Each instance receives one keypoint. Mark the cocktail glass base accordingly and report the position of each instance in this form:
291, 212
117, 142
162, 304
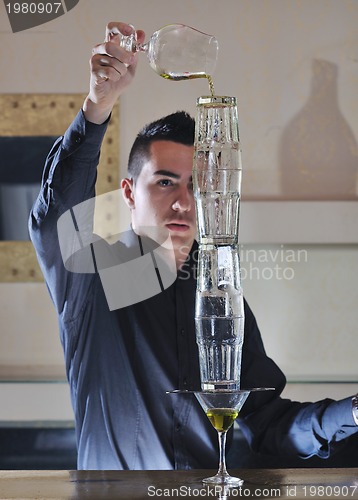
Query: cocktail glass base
224, 479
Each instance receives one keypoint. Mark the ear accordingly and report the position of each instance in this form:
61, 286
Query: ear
127, 186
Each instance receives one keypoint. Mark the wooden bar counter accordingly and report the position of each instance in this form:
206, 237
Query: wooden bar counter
137, 485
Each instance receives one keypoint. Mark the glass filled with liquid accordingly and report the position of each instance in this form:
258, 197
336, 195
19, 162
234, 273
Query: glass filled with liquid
219, 317
178, 52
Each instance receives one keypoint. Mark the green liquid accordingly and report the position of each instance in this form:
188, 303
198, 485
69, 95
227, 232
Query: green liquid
222, 418
189, 76
211, 85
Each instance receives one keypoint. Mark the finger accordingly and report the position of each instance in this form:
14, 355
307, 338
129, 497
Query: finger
118, 29
105, 74
140, 36
107, 67
115, 51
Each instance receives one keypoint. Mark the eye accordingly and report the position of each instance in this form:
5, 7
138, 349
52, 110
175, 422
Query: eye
165, 182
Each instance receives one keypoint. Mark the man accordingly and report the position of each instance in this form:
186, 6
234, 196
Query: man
121, 362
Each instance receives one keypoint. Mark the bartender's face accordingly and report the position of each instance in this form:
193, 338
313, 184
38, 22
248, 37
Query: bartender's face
162, 195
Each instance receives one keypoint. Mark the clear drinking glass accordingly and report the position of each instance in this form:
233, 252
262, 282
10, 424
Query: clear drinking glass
177, 52
217, 170
219, 317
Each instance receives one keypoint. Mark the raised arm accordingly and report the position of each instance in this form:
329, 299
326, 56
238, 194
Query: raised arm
71, 167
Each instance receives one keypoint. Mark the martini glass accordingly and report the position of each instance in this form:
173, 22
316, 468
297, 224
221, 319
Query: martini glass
222, 408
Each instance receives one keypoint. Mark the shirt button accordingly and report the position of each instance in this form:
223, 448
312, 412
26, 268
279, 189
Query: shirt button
178, 427
182, 332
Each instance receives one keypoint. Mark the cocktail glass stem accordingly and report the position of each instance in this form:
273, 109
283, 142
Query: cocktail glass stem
222, 475
222, 460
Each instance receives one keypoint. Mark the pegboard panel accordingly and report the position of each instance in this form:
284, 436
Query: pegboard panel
50, 115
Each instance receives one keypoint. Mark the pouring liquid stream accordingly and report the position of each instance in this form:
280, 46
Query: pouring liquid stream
190, 76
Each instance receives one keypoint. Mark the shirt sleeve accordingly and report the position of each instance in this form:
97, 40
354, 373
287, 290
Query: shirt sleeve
69, 178
276, 426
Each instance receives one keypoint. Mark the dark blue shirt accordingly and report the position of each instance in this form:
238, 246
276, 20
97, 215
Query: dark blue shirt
120, 363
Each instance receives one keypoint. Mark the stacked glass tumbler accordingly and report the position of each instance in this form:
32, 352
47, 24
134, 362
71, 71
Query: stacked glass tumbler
219, 309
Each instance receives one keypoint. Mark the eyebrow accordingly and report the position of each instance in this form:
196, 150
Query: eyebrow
167, 173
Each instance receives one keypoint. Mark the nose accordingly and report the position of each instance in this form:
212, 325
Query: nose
183, 201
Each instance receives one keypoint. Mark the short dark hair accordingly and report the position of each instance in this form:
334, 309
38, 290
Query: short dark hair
177, 127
